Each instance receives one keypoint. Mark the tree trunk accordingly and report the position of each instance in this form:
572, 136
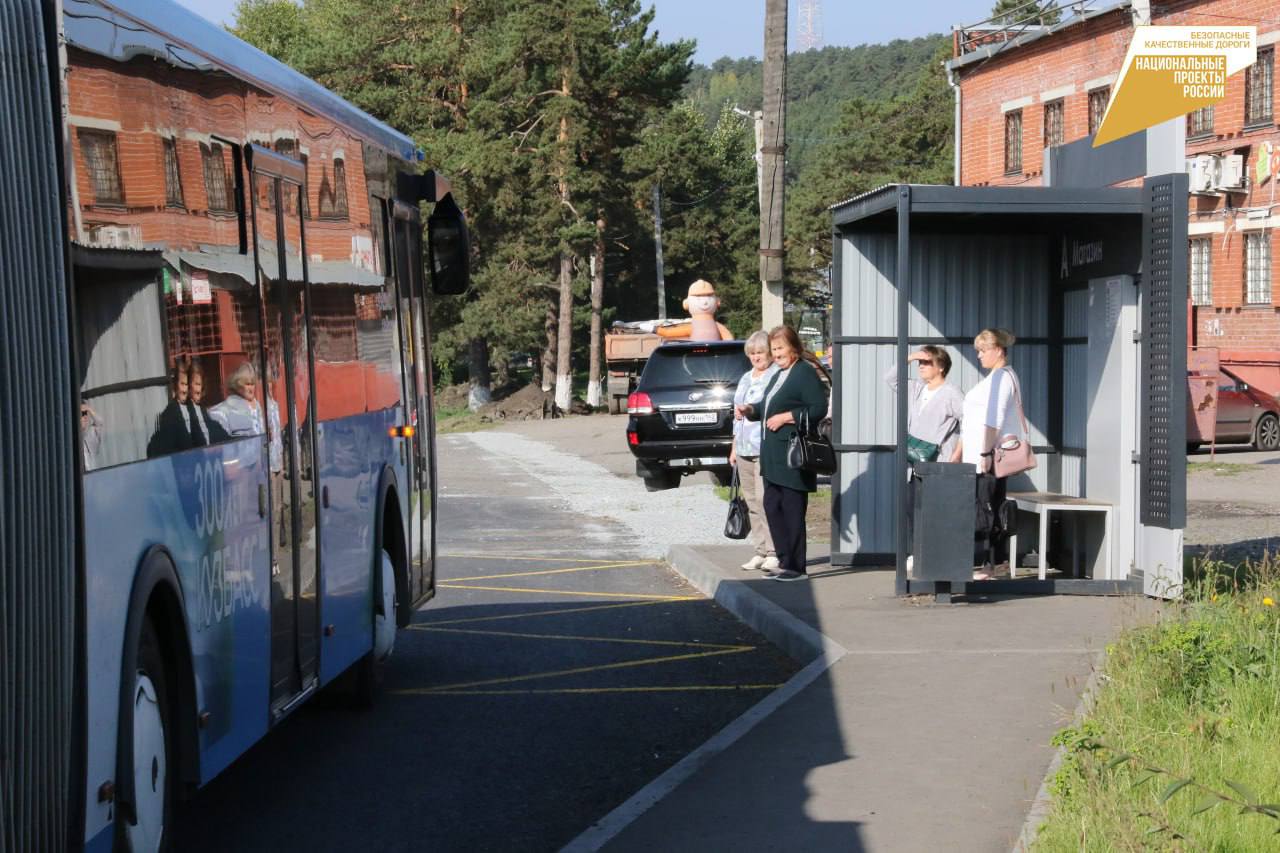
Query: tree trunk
564, 378
478, 357
595, 378
549, 352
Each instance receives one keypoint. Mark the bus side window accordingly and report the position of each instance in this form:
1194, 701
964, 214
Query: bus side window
353, 320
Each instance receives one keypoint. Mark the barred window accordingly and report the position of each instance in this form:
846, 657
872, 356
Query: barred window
1201, 266
215, 176
1013, 142
1258, 93
1257, 268
1053, 130
1200, 122
1098, 100
99, 149
172, 175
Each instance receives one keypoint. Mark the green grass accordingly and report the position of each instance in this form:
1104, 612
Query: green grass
1195, 696
822, 494
1221, 469
460, 419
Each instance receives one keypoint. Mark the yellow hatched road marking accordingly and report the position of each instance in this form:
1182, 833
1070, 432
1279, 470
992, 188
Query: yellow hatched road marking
629, 640
601, 567
548, 691
581, 670
423, 626
569, 592
531, 559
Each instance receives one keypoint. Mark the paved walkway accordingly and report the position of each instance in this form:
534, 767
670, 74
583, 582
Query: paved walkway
916, 726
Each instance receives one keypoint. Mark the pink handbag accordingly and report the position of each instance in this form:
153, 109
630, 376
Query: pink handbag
1012, 454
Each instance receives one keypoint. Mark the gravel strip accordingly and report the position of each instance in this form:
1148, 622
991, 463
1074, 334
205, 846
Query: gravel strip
647, 523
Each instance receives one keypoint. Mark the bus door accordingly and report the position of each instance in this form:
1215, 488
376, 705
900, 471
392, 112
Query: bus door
286, 388
408, 244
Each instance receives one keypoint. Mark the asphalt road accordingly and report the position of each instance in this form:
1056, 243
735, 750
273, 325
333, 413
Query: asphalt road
547, 682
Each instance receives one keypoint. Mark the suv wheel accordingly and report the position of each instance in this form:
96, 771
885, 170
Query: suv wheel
1266, 435
660, 482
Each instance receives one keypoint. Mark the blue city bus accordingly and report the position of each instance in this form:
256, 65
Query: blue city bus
238, 263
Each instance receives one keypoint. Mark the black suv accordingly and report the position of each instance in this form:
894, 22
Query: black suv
681, 413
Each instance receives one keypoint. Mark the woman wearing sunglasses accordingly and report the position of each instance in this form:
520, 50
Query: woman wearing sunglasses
934, 410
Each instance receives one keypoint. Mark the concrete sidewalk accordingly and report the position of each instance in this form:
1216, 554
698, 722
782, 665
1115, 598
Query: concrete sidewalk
916, 727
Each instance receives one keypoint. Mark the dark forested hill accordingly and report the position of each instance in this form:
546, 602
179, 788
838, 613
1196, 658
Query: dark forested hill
819, 83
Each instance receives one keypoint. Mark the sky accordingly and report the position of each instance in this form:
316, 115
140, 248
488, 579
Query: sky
735, 28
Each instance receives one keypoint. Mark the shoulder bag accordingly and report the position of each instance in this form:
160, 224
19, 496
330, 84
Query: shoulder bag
810, 452
1013, 455
919, 450
738, 524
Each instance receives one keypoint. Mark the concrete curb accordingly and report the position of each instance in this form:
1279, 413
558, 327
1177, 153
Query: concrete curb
800, 640
1043, 802
795, 637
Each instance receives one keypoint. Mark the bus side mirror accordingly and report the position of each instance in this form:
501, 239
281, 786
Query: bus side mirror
448, 249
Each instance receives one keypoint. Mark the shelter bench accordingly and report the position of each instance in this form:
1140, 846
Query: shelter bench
1044, 503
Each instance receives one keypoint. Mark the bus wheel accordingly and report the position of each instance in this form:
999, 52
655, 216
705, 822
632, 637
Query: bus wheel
152, 749
384, 619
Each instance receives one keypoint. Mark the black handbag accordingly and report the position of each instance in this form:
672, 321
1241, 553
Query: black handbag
810, 452
738, 524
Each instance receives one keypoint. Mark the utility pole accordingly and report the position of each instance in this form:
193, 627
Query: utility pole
773, 161
657, 242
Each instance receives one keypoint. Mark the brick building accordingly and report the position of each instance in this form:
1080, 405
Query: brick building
1021, 89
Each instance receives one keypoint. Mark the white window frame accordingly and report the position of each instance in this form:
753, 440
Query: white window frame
1257, 268
1200, 265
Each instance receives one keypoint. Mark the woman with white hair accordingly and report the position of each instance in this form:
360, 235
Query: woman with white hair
745, 453
240, 414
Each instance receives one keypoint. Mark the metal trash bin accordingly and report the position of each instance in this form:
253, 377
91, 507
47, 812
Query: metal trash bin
943, 522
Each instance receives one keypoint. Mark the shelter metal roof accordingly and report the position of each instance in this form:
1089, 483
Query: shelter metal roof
935, 199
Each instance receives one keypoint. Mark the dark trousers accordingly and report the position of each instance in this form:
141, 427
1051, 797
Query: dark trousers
785, 509
990, 529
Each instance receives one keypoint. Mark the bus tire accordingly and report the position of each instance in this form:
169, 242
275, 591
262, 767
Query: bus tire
153, 767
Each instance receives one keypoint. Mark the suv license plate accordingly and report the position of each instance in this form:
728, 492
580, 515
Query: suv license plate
683, 418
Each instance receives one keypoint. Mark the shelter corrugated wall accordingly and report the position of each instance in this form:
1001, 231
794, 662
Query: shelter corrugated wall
973, 281
37, 453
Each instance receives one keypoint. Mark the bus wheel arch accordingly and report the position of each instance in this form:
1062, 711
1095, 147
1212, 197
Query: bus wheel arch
155, 637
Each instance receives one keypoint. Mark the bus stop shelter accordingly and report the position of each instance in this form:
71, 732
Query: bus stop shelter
1092, 281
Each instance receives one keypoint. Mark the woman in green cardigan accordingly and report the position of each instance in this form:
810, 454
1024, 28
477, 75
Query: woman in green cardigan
795, 392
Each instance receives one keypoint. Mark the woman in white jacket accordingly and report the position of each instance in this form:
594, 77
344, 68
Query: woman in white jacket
745, 454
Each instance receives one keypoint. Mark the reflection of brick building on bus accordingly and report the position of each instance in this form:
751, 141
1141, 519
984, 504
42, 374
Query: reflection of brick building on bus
161, 184
1023, 89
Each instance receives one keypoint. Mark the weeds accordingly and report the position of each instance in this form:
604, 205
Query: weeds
1192, 702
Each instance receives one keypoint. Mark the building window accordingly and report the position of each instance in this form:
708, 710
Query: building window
1053, 131
1098, 100
99, 149
1257, 88
1201, 265
333, 194
215, 176
1257, 268
172, 175
1200, 122
1013, 142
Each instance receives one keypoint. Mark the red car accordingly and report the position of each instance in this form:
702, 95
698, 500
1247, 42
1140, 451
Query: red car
1245, 415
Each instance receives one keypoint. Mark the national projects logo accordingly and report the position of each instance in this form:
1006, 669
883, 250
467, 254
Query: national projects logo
1170, 71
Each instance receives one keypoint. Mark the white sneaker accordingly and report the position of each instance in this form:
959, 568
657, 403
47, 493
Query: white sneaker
770, 564
754, 563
